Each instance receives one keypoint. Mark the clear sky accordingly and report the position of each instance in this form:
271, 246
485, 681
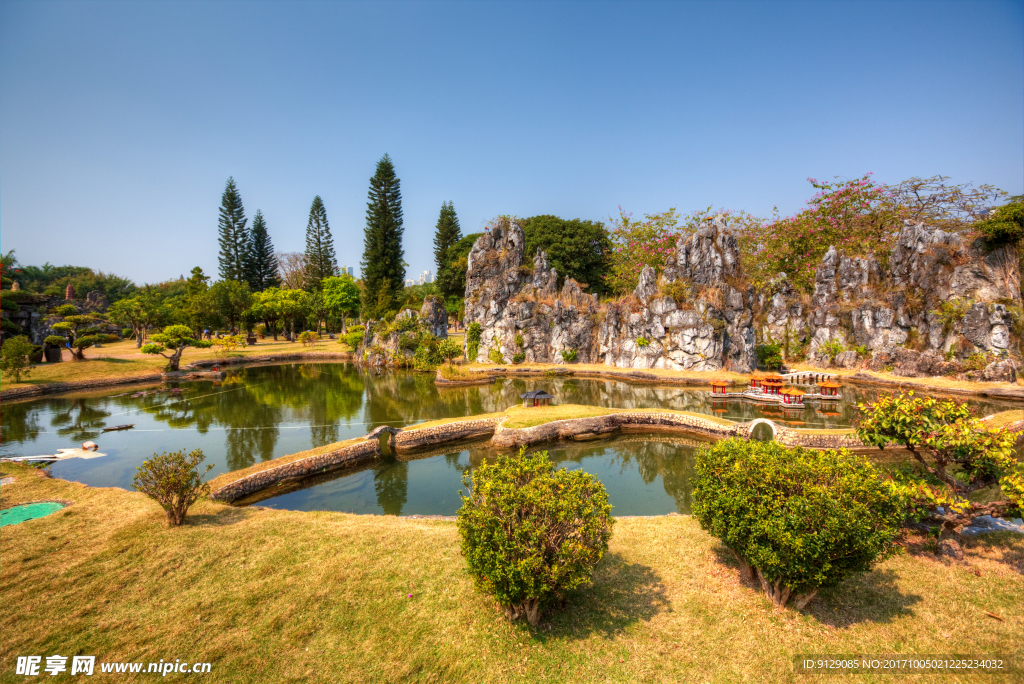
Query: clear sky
121, 121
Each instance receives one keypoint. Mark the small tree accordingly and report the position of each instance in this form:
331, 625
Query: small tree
231, 299
79, 329
176, 338
308, 338
267, 307
15, 357
531, 532
473, 335
130, 312
449, 349
173, 481
952, 446
341, 298
797, 519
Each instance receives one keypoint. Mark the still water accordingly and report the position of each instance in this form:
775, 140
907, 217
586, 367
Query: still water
257, 414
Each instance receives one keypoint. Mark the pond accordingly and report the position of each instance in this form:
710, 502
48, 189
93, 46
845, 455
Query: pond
260, 413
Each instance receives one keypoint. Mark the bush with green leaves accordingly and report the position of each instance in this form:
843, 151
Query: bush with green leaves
951, 446
308, 338
831, 349
474, 332
769, 355
353, 339
531, 532
426, 357
518, 357
80, 329
642, 342
796, 519
951, 312
568, 355
16, 357
449, 349
173, 481
1005, 225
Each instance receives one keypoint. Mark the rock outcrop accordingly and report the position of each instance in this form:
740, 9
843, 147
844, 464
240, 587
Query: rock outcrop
521, 312
701, 313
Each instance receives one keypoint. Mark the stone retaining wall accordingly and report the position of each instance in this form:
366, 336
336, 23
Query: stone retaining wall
407, 440
351, 455
588, 428
794, 438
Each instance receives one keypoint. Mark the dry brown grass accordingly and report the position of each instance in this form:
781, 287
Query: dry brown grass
1003, 418
271, 596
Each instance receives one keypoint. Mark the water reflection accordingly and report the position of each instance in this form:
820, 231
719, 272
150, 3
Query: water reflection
257, 414
644, 475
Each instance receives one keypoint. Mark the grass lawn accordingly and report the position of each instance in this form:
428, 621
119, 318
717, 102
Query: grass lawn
269, 596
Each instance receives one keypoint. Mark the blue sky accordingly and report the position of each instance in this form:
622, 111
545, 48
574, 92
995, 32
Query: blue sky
120, 122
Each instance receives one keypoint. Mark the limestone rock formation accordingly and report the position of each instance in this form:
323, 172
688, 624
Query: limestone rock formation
435, 316
521, 312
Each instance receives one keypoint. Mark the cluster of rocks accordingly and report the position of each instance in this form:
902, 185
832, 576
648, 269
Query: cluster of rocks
31, 314
380, 348
703, 315
521, 311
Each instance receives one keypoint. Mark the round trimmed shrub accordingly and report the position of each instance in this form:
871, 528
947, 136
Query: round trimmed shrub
796, 519
530, 531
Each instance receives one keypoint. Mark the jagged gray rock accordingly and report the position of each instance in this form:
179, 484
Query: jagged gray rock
434, 316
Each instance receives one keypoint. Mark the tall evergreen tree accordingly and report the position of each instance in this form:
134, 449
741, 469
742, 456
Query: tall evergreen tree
232, 236
320, 259
262, 266
382, 265
445, 236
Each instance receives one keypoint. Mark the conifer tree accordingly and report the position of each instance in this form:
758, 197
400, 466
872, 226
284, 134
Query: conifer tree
446, 235
232, 236
320, 259
382, 265
262, 265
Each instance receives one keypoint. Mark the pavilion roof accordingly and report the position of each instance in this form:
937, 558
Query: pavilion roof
536, 394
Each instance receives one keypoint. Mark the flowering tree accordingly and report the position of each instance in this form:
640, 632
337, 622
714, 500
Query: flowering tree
859, 217
638, 244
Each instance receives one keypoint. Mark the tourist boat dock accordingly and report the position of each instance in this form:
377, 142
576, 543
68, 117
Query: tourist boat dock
771, 389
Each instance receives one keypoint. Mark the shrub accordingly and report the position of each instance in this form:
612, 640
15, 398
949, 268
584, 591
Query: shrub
55, 340
831, 349
308, 338
796, 519
951, 445
473, 334
1005, 225
681, 291
449, 349
531, 532
126, 332
15, 357
231, 342
426, 357
495, 355
353, 339
9, 327
862, 351
951, 312
173, 481
568, 355
642, 342
519, 357
519, 341
8, 304
410, 342
769, 356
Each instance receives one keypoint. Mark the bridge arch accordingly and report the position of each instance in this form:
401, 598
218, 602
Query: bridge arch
754, 433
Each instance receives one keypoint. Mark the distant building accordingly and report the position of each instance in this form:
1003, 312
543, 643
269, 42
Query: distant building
409, 282
346, 270
425, 278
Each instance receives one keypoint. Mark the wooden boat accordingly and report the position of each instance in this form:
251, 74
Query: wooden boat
119, 427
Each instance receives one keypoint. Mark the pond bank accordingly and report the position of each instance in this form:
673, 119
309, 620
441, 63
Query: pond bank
516, 427
701, 378
34, 391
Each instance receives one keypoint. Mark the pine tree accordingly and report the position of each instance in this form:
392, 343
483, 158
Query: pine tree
262, 265
446, 235
382, 266
320, 259
233, 238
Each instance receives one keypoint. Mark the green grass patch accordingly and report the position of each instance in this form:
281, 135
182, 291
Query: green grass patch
268, 596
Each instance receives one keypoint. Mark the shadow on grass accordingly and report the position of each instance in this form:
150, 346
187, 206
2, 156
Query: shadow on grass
227, 516
862, 597
1004, 547
622, 594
